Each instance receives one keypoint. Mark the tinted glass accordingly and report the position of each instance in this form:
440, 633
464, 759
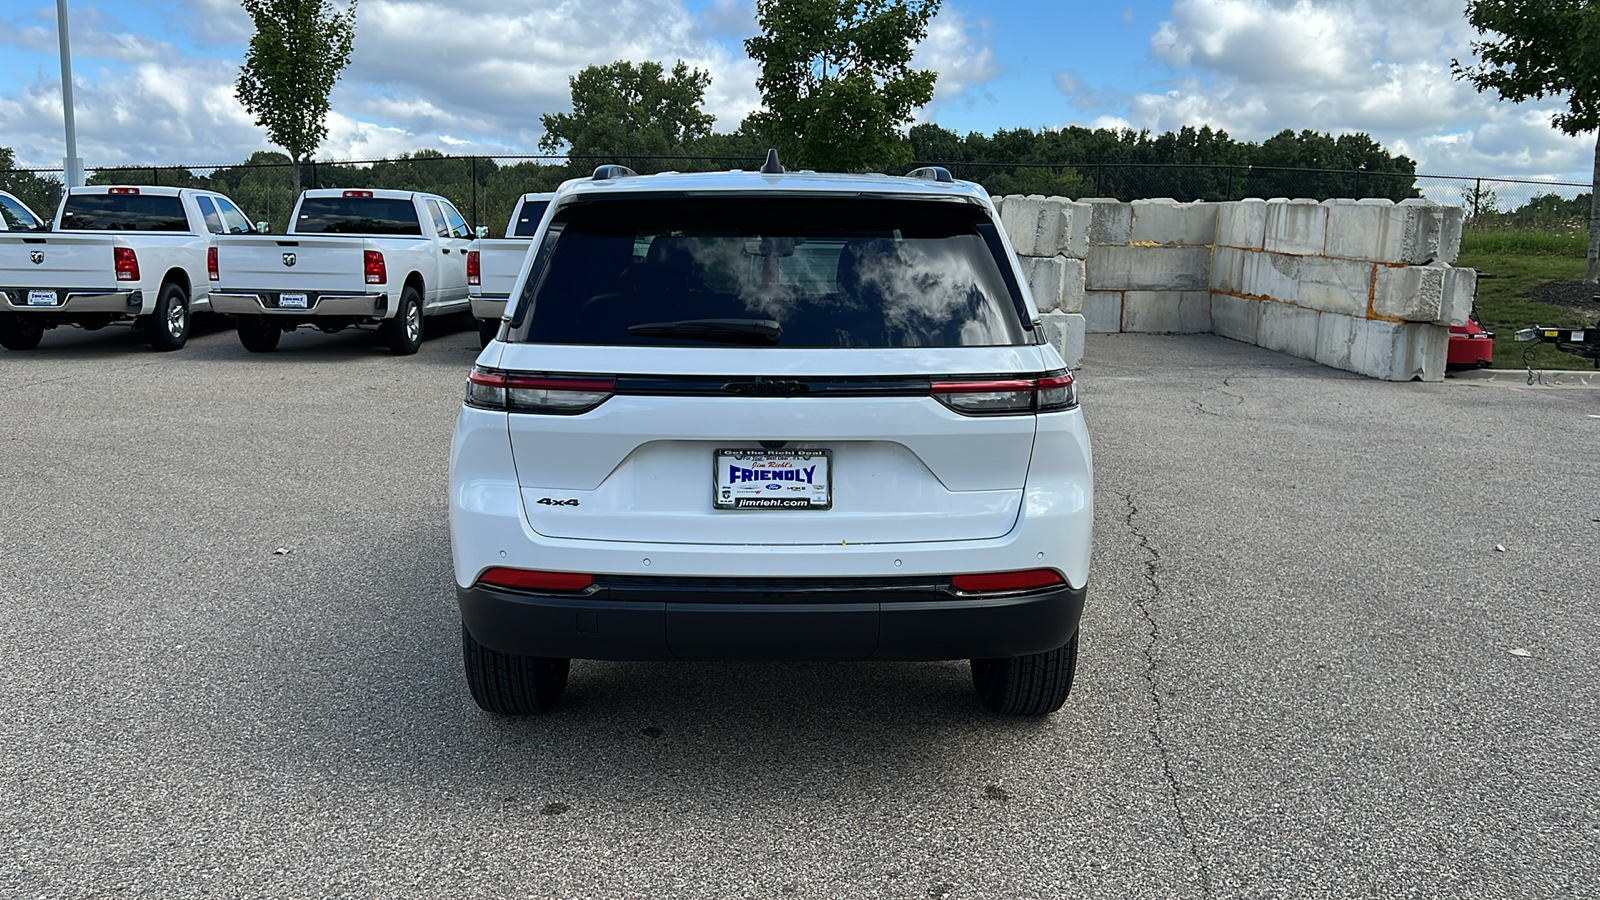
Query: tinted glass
458, 225
208, 211
123, 212
439, 227
17, 217
528, 218
234, 219
357, 215
829, 272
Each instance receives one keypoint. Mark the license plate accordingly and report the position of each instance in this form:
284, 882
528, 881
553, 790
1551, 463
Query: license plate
772, 479
291, 301
42, 298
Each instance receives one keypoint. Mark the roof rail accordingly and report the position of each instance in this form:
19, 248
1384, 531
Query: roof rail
608, 172
772, 166
932, 173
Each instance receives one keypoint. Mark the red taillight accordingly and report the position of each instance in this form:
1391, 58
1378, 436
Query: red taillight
1008, 396
211, 263
529, 580
543, 394
122, 190
1002, 582
127, 263
377, 272
358, 193
474, 268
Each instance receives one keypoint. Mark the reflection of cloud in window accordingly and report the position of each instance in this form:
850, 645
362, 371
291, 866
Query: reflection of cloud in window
928, 287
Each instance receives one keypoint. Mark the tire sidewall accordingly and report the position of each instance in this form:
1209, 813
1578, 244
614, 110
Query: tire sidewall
160, 325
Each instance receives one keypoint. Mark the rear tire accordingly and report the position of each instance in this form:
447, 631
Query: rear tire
509, 684
1033, 685
403, 332
487, 329
258, 334
17, 333
168, 325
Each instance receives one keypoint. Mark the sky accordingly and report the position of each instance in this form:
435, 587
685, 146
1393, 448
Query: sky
153, 81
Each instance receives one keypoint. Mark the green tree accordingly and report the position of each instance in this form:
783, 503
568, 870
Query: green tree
42, 195
1533, 49
623, 110
298, 51
836, 79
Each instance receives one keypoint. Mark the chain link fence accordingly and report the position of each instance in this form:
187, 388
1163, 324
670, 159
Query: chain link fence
485, 188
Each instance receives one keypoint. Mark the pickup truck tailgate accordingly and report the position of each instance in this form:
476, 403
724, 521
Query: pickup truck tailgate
56, 260
275, 264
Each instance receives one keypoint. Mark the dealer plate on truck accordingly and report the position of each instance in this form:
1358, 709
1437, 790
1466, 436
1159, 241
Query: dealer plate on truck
42, 298
291, 301
773, 479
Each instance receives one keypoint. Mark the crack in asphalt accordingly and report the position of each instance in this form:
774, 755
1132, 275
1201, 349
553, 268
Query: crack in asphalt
1238, 400
1153, 557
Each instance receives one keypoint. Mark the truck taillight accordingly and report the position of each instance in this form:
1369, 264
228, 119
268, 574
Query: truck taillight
211, 263
358, 193
1008, 396
377, 273
127, 263
474, 268
559, 395
122, 190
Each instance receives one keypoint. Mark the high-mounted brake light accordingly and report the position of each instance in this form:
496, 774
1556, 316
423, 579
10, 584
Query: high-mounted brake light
560, 395
1008, 396
377, 272
474, 268
1005, 582
211, 264
120, 190
126, 262
358, 193
530, 580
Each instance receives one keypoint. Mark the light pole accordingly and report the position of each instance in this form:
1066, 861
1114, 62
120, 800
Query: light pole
72, 170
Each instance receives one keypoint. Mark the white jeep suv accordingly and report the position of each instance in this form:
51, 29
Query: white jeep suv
770, 416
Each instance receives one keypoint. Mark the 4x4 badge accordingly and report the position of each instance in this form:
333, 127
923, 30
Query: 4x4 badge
36, 257
288, 259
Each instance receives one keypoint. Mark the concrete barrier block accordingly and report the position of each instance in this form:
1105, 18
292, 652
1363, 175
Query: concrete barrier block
1044, 280
1148, 268
1356, 229
1289, 329
1170, 222
1020, 219
1235, 317
1227, 269
1063, 228
1399, 351
1065, 332
1273, 275
1412, 229
1450, 234
1102, 311
1412, 293
1335, 285
1460, 287
1072, 284
1167, 312
1110, 221
1242, 223
1299, 227
999, 205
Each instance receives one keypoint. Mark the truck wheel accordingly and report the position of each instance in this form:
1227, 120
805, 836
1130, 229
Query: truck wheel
259, 334
1033, 685
17, 333
403, 333
487, 329
509, 684
168, 325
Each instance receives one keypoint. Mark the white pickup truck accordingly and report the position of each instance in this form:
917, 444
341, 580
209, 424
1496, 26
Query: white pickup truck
143, 256
350, 258
493, 264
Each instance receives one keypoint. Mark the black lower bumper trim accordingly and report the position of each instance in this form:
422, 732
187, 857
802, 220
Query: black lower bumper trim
669, 625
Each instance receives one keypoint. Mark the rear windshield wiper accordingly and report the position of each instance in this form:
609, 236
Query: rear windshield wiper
732, 331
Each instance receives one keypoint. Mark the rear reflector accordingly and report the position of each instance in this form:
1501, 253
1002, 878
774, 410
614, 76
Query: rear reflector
474, 268
377, 272
1008, 396
122, 190
126, 262
538, 394
358, 193
1001, 582
211, 264
529, 580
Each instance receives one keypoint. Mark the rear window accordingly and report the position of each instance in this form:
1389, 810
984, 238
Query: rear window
357, 215
123, 212
779, 272
528, 218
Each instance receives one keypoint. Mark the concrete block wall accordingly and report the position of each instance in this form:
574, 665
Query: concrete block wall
1365, 286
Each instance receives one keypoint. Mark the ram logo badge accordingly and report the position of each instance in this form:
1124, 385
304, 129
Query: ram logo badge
289, 259
36, 257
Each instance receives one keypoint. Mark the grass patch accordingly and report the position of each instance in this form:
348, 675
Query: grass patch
1519, 260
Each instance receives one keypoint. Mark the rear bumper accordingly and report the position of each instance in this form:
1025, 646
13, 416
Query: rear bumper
634, 622
488, 307
129, 302
265, 303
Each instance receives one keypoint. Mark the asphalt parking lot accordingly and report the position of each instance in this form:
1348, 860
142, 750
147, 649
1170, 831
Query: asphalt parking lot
1343, 640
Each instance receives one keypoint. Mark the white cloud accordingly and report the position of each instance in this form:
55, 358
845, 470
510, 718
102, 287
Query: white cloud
963, 55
